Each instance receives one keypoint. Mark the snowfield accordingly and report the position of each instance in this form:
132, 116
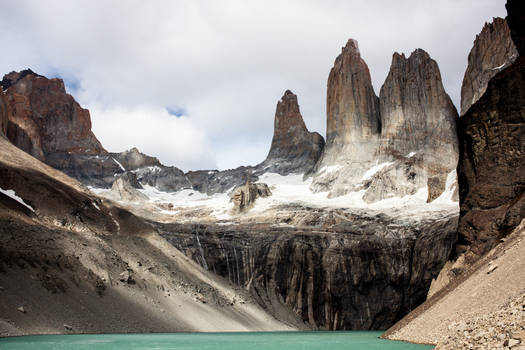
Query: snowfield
293, 190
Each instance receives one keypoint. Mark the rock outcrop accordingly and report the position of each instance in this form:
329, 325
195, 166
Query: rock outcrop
391, 146
418, 131
353, 124
49, 124
52, 120
492, 153
492, 52
417, 115
244, 197
214, 181
363, 274
126, 187
352, 107
294, 149
134, 159
163, 178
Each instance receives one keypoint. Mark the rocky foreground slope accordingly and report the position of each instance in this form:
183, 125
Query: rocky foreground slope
71, 262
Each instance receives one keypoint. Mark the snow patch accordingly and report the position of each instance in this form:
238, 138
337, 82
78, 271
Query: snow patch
450, 187
375, 169
12, 194
189, 198
327, 169
503, 65
120, 165
411, 154
152, 169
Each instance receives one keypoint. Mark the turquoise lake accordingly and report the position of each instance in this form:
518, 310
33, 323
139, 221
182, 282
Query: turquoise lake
354, 340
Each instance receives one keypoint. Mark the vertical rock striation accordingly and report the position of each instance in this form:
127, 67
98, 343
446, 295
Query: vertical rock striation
492, 153
367, 275
492, 52
353, 123
294, 149
418, 121
352, 106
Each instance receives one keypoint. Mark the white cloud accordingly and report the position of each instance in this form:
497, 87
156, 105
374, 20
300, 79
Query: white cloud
226, 63
153, 131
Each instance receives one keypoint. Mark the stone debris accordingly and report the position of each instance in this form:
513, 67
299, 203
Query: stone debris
127, 277
492, 267
503, 329
21, 309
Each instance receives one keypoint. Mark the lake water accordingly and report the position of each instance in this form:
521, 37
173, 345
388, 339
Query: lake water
354, 340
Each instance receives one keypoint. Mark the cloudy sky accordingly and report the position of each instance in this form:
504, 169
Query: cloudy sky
196, 83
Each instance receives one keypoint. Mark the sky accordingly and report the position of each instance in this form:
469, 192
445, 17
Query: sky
196, 83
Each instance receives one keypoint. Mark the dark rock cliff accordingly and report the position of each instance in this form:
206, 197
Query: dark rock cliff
4, 117
491, 168
364, 274
294, 149
492, 52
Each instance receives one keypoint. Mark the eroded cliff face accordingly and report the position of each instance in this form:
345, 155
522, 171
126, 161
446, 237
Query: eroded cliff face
353, 124
366, 273
49, 124
492, 153
294, 149
492, 52
54, 121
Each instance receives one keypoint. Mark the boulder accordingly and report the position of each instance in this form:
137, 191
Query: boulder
244, 197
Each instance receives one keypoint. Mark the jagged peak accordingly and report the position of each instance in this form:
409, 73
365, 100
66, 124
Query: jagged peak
418, 56
352, 46
13, 77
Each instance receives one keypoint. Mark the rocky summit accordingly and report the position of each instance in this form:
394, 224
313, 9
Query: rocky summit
418, 121
45, 120
352, 122
294, 149
391, 146
492, 52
